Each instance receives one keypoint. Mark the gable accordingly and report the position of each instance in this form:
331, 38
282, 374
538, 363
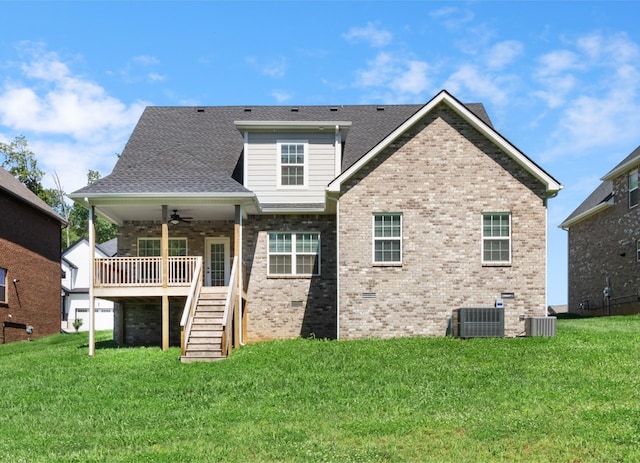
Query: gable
550, 184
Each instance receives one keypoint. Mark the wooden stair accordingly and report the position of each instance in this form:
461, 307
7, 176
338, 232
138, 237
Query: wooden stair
204, 343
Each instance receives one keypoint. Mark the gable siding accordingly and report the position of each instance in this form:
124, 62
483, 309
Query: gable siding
441, 175
602, 246
262, 167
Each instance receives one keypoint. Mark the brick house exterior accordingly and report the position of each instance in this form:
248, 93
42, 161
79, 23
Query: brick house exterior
350, 221
604, 245
30, 250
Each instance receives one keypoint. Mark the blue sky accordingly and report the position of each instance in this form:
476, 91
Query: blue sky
560, 80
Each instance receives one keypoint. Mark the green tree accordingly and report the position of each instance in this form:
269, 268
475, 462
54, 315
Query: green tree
79, 219
20, 162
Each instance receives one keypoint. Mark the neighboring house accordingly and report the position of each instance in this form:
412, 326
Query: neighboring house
29, 263
344, 222
75, 286
604, 245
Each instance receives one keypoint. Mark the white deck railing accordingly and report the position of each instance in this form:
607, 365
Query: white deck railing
143, 271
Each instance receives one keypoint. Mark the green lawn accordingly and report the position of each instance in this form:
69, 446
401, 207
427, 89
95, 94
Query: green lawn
572, 398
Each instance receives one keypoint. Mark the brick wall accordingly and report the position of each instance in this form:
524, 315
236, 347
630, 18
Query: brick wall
281, 307
441, 176
604, 246
30, 251
139, 323
195, 232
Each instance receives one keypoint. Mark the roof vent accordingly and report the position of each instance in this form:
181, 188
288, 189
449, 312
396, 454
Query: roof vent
247, 110
380, 108
333, 108
200, 110
294, 110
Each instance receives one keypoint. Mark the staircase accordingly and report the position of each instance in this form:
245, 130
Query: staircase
204, 343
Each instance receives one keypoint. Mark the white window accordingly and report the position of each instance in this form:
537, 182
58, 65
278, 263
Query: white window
387, 238
496, 238
292, 164
294, 253
3, 285
150, 247
633, 188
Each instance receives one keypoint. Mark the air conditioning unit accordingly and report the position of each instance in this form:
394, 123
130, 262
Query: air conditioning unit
482, 322
540, 326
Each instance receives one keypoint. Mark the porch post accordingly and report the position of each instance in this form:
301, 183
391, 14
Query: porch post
92, 263
236, 252
164, 253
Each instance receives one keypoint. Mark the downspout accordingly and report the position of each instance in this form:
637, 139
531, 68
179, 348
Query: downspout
337, 200
240, 280
92, 304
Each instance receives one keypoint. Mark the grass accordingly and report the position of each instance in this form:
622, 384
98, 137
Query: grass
571, 398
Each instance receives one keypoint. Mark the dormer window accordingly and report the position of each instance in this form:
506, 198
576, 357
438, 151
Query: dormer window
292, 164
633, 188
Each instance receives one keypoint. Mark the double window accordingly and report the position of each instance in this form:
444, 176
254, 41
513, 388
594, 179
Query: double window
294, 253
633, 188
387, 238
3, 285
496, 238
150, 247
292, 164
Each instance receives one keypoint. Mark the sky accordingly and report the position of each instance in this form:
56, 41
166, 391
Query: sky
559, 80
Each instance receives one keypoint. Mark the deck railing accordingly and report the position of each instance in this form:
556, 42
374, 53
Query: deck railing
143, 271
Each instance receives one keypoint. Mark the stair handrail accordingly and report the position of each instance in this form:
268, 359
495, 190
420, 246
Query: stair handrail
229, 304
190, 306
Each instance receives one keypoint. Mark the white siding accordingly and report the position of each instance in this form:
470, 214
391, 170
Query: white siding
262, 166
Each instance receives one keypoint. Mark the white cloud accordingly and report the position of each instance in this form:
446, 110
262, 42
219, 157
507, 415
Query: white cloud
398, 79
71, 123
371, 34
594, 83
453, 17
503, 54
481, 84
281, 96
276, 68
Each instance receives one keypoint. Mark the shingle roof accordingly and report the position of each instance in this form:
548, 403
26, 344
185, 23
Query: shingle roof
598, 196
12, 186
604, 191
199, 149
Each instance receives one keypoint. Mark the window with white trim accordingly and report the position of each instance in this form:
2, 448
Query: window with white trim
294, 253
633, 188
3, 285
496, 238
150, 247
292, 164
387, 238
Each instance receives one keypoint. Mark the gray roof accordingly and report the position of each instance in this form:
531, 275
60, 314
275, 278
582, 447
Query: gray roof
12, 186
199, 149
110, 248
598, 196
604, 191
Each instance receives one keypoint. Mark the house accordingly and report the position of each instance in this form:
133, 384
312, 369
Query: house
75, 286
343, 222
29, 263
604, 245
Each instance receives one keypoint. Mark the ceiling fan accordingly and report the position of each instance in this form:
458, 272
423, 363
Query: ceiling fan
175, 218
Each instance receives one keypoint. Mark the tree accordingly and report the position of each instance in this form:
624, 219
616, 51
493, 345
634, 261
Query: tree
20, 162
79, 219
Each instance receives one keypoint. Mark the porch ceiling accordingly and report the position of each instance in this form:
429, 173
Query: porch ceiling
119, 213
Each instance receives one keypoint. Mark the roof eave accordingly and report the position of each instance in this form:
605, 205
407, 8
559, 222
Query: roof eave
586, 214
622, 169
